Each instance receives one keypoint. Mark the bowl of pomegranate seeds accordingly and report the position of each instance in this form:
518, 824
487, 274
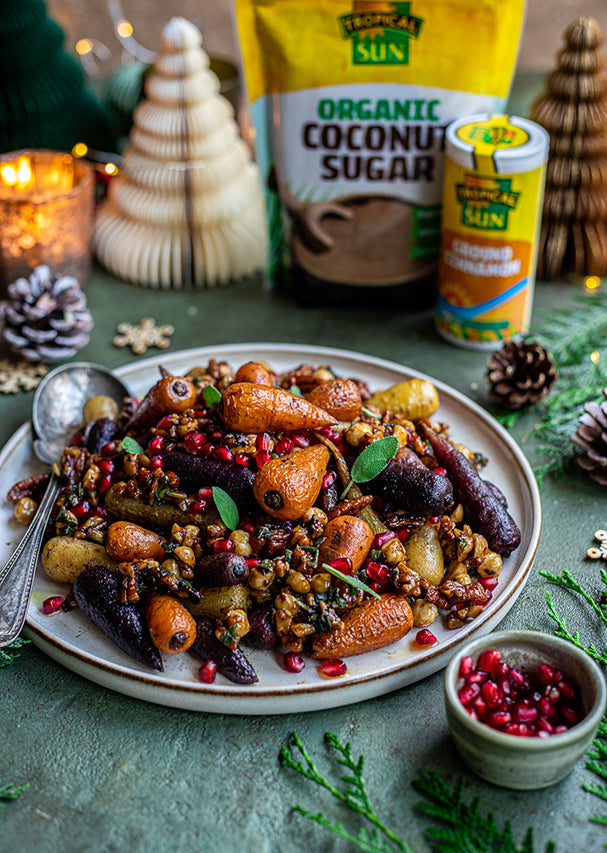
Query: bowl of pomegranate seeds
523, 707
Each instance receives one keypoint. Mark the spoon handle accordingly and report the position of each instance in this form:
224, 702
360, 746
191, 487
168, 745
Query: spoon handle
17, 575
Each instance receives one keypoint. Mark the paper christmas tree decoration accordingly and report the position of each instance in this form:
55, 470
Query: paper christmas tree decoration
186, 209
573, 109
44, 102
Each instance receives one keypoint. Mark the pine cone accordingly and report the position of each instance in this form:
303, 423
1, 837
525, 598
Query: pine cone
591, 437
45, 317
520, 374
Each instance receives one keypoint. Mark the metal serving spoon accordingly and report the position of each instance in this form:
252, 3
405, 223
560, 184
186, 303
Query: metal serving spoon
56, 416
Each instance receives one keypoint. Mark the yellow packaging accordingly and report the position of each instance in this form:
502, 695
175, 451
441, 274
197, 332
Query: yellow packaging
492, 205
349, 102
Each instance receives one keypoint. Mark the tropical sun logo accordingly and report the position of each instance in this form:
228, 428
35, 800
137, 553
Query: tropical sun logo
486, 202
380, 32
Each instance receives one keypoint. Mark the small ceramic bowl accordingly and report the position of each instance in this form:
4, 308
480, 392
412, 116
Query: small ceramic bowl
509, 760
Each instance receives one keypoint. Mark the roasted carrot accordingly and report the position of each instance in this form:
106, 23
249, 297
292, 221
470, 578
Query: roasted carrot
248, 407
169, 394
127, 542
375, 623
346, 537
172, 627
287, 486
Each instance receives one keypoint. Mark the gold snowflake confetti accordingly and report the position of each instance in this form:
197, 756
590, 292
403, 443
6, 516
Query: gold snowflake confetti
145, 334
20, 375
599, 552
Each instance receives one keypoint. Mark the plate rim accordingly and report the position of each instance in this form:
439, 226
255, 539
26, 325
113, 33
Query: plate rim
256, 699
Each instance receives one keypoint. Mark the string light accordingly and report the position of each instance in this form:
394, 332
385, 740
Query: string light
591, 282
80, 149
594, 356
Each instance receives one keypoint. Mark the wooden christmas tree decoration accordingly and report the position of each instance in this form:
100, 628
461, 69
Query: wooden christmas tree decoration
186, 209
573, 109
44, 102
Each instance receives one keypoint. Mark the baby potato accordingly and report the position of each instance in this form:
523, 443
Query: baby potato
424, 553
215, 601
99, 406
412, 398
64, 558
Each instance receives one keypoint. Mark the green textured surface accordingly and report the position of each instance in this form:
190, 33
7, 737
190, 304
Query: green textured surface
111, 773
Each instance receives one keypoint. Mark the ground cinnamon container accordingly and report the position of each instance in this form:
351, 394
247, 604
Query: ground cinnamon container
492, 204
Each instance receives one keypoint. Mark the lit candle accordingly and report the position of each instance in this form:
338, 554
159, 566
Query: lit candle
46, 212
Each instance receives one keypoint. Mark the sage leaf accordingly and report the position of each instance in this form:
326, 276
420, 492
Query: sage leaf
350, 580
227, 509
212, 396
130, 445
374, 459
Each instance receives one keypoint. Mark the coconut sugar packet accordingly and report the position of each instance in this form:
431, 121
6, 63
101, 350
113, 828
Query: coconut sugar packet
349, 101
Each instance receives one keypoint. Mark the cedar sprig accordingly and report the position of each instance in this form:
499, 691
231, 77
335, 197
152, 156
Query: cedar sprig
466, 830
9, 654
10, 791
598, 765
354, 796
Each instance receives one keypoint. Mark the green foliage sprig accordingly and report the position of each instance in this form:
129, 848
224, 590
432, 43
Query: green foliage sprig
9, 654
571, 336
462, 829
10, 791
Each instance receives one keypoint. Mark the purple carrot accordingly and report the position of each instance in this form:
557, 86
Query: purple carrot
485, 513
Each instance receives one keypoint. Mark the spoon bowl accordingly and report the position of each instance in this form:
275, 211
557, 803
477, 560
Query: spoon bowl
58, 402
56, 416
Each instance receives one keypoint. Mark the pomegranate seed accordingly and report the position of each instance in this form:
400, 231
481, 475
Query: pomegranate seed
377, 572
101, 512
343, 565
333, 667
567, 691
560, 729
82, 509
108, 449
545, 673
425, 638
293, 662
78, 440
501, 670
104, 483
207, 449
217, 435
223, 454
206, 493
480, 706
156, 444
440, 470
328, 480
201, 413
263, 441
519, 679
552, 693
376, 587
489, 659
404, 534
197, 506
241, 459
489, 583
466, 665
52, 605
468, 694
106, 465
477, 677
156, 462
301, 440
523, 714
194, 441
472, 713
492, 694
498, 718
253, 561
382, 538
261, 457
247, 525
164, 423
207, 672
545, 725
570, 715
223, 545
285, 445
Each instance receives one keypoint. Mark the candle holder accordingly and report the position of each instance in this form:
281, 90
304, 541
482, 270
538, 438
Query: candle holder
46, 215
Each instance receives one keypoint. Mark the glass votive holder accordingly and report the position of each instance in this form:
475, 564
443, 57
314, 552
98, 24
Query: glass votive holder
46, 215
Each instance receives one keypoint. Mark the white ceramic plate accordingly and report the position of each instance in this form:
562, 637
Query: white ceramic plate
74, 642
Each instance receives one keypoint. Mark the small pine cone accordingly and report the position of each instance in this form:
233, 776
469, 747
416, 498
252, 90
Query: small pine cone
520, 374
45, 317
591, 437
